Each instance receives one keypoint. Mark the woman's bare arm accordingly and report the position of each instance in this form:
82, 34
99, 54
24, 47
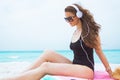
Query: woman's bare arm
102, 57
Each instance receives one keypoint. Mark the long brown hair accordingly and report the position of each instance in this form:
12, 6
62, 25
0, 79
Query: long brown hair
87, 22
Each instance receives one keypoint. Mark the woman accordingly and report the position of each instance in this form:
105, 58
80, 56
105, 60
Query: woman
84, 40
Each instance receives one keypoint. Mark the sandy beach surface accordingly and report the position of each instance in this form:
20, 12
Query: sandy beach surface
12, 68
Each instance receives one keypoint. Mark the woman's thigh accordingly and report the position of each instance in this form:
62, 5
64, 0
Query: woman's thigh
64, 69
49, 56
52, 56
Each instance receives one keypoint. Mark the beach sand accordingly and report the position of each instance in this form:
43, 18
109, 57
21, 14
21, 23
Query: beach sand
12, 68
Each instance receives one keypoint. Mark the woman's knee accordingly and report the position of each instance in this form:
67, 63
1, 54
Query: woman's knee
45, 66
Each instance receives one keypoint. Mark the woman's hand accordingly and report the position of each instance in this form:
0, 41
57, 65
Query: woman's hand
109, 71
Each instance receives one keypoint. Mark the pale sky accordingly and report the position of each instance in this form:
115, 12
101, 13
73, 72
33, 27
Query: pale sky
39, 24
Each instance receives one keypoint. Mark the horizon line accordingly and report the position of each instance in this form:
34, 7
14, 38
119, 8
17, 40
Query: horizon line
35, 51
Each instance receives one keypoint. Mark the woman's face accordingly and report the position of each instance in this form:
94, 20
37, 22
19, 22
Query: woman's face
71, 18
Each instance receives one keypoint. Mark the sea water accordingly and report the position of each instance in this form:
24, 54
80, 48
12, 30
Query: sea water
11, 56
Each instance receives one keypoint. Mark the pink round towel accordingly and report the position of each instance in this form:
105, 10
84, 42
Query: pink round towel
101, 75
98, 75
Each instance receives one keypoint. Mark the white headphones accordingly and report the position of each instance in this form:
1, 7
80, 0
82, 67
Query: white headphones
79, 14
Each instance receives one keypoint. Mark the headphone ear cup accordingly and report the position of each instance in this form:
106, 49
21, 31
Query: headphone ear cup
79, 14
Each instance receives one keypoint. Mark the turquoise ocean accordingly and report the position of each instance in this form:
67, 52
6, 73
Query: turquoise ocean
113, 56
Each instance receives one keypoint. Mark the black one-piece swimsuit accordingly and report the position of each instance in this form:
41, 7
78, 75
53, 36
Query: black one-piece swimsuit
80, 56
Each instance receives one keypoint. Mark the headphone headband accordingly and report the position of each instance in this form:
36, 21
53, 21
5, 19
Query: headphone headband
79, 13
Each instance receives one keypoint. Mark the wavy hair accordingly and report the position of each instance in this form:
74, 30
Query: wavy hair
89, 37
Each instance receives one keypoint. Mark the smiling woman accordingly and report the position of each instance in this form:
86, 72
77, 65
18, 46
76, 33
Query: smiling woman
84, 40
35, 26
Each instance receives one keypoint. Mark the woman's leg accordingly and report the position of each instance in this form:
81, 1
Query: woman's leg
56, 69
49, 56
64, 69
